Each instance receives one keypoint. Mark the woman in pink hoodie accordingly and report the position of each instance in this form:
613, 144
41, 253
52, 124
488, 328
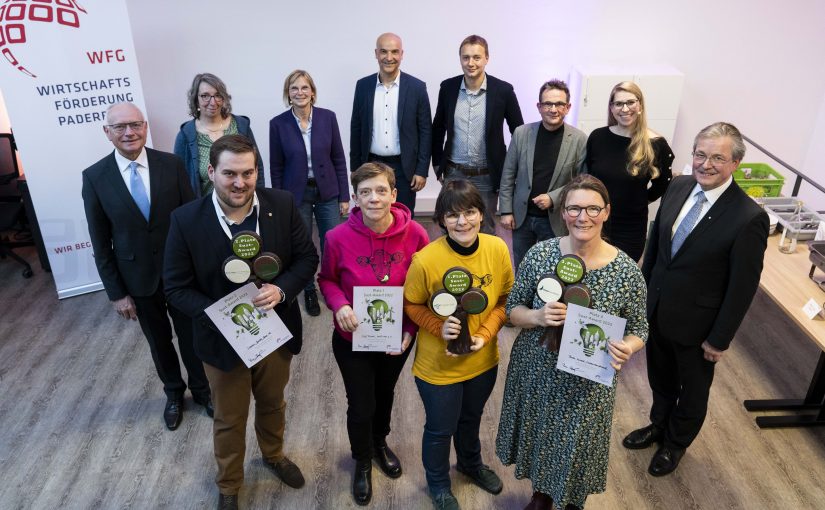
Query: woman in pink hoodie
373, 248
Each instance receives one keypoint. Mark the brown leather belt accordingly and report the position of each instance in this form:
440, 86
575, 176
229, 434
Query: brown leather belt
468, 171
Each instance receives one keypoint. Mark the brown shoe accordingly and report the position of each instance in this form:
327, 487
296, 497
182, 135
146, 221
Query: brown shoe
288, 472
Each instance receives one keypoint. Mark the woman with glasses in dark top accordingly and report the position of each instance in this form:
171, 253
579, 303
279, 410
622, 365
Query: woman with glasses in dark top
210, 105
555, 426
306, 158
633, 162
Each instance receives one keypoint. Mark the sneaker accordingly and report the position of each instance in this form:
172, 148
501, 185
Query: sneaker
311, 302
288, 472
445, 501
484, 477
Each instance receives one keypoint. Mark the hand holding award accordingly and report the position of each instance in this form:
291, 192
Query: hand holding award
457, 299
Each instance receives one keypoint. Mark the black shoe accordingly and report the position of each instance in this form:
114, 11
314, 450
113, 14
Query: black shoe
362, 483
387, 460
665, 461
228, 502
311, 302
444, 500
205, 400
484, 477
288, 472
173, 412
642, 438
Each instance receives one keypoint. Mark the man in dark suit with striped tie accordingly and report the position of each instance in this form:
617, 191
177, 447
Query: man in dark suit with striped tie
129, 196
702, 264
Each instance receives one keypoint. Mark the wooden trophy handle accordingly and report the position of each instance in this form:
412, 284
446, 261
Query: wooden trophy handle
461, 345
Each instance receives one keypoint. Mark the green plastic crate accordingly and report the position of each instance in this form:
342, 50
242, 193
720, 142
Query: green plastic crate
764, 181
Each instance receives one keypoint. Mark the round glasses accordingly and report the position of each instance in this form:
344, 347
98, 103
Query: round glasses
207, 98
469, 215
592, 210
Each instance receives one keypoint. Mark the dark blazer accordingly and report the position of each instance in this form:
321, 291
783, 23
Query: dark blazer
414, 129
705, 290
128, 250
196, 249
288, 156
502, 105
186, 147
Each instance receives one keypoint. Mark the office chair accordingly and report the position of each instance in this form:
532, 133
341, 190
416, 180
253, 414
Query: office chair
11, 207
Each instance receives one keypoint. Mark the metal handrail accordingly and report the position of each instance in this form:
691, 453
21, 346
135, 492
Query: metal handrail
799, 175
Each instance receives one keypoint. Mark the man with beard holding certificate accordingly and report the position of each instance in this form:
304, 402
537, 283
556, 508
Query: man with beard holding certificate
198, 245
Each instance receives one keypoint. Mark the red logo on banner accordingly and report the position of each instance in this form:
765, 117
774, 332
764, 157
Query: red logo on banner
16, 15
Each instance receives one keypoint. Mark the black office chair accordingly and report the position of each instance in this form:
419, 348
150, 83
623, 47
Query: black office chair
11, 206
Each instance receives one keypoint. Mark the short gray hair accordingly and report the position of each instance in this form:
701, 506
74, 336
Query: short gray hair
724, 129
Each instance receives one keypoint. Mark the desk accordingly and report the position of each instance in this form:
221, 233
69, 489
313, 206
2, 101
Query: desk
785, 280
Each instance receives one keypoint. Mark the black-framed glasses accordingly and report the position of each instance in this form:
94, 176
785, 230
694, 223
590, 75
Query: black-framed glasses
630, 103
119, 129
207, 98
575, 210
715, 160
548, 105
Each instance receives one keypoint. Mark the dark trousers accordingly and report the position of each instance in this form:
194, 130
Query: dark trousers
369, 380
533, 230
151, 312
453, 411
680, 379
406, 195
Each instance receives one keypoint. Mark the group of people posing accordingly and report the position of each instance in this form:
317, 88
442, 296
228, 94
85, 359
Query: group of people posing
161, 227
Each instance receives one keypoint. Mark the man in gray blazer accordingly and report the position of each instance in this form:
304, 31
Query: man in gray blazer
542, 158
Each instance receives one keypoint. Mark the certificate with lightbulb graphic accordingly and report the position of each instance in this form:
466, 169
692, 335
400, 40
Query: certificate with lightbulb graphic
583, 350
252, 332
379, 311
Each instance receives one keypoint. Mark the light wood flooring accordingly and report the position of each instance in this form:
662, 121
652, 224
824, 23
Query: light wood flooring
81, 426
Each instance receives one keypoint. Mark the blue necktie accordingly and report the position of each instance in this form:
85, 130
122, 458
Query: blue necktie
139, 190
688, 222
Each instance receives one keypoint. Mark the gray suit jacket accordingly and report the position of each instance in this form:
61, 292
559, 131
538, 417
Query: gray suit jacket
517, 174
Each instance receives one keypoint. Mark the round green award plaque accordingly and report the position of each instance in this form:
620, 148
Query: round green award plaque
570, 269
474, 300
457, 280
267, 266
246, 244
443, 303
236, 270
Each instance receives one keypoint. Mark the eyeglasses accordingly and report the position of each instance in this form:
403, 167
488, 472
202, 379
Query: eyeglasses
119, 129
206, 98
575, 210
469, 215
367, 192
630, 103
715, 161
547, 105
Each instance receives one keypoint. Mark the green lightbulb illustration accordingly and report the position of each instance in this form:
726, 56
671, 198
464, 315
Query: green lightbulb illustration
244, 315
379, 311
592, 338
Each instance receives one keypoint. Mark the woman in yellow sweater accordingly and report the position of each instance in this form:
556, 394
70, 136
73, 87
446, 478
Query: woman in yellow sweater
455, 388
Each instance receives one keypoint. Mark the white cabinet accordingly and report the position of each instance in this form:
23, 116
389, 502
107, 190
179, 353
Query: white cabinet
590, 88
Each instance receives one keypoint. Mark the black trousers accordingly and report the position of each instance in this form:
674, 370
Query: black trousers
406, 195
151, 312
680, 379
369, 380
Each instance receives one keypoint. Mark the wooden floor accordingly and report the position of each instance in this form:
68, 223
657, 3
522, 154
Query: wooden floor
81, 427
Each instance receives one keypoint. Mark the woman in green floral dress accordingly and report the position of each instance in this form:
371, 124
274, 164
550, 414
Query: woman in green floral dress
555, 426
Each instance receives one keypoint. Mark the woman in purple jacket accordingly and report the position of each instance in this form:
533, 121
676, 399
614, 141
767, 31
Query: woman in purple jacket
373, 248
307, 159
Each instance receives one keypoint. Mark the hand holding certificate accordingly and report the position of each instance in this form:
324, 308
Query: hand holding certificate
584, 347
379, 311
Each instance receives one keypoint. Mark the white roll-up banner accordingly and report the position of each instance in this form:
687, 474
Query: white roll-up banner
64, 63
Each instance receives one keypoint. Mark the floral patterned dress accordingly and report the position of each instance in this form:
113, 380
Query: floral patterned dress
555, 426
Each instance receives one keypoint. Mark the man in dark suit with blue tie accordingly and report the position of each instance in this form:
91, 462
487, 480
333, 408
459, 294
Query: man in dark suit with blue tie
129, 196
471, 112
702, 263
391, 121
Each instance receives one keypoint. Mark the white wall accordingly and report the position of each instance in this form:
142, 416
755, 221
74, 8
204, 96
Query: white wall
754, 63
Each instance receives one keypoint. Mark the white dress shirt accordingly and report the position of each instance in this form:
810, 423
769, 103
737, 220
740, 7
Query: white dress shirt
142, 170
225, 221
712, 196
385, 139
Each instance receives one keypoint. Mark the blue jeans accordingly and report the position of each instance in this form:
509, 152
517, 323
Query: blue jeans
327, 216
453, 411
533, 230
484, 185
